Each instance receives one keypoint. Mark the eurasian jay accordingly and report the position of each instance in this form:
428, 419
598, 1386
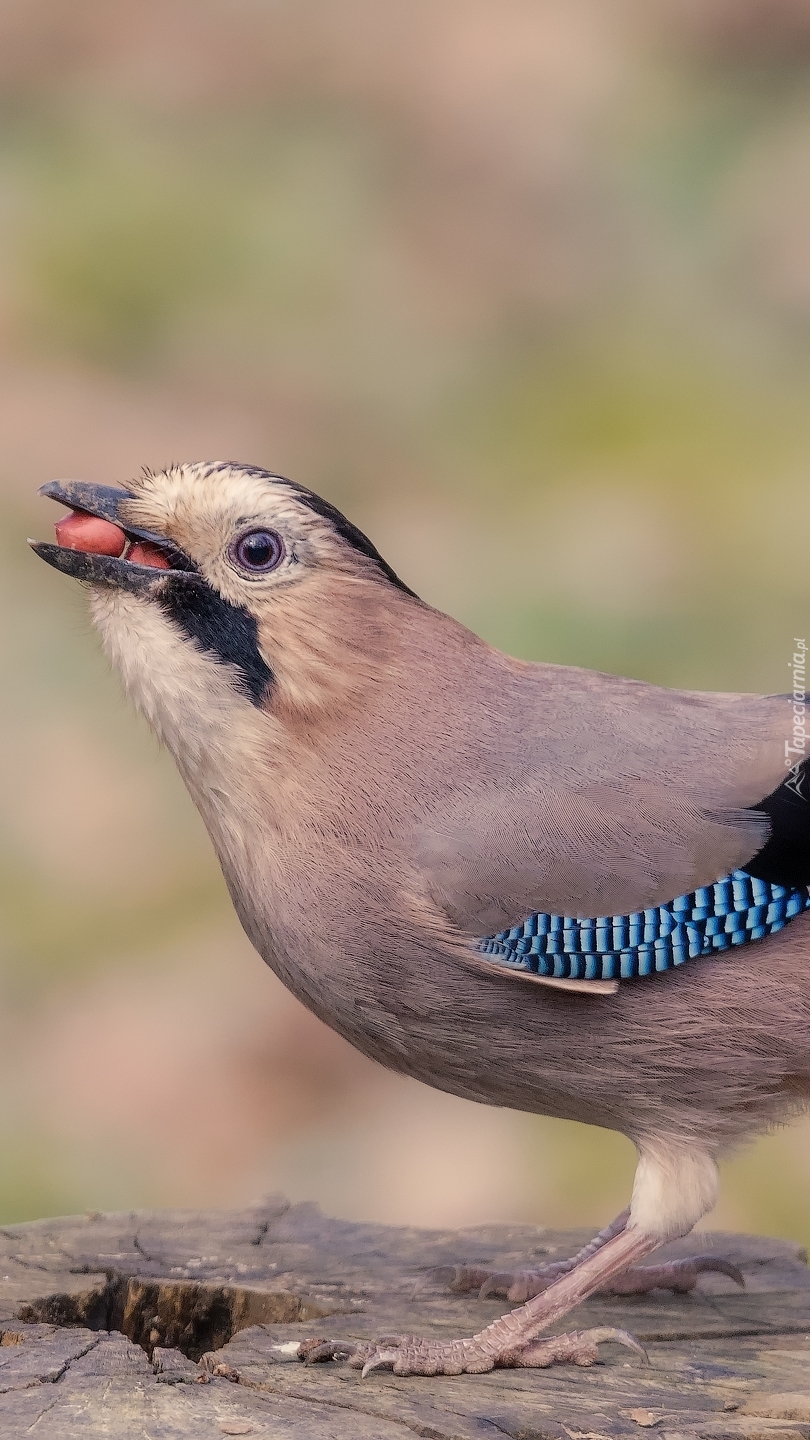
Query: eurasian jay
534, 886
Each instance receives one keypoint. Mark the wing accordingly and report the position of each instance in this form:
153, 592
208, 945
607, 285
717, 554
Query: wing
713, 919
604, 796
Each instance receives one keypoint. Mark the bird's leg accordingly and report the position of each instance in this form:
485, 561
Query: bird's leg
518, 1285
675, 1184
512, 1339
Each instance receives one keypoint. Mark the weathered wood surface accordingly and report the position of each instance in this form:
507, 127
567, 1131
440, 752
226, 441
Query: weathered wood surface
86, 1301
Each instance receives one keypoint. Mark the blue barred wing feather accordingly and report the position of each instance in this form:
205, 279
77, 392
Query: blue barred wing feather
737, 909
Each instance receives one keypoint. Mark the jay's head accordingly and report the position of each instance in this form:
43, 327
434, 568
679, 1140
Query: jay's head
218, 588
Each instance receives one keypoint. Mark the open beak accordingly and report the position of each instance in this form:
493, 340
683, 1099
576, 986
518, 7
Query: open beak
110, 542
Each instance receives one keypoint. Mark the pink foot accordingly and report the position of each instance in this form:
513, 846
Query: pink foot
411, 1355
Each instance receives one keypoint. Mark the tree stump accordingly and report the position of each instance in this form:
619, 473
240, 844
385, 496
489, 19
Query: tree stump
175, 1324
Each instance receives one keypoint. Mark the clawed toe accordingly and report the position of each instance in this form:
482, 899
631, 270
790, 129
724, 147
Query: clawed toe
384, 1358
680, 1276
579, 1347
516, 1285
410, 1355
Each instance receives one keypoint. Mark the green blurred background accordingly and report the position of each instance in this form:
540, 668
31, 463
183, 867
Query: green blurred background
523, 285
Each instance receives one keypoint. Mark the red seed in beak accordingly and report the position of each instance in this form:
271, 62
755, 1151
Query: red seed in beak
95, 536
142, 553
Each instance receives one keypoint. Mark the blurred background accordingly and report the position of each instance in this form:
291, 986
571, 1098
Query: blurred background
524, 286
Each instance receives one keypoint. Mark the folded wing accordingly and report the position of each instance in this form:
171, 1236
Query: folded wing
608, 797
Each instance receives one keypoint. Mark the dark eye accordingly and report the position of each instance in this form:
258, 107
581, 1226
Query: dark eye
257, 550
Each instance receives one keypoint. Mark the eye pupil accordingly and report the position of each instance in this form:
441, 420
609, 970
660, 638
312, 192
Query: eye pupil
258, 550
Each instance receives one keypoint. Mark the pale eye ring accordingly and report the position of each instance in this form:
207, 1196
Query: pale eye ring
257, 551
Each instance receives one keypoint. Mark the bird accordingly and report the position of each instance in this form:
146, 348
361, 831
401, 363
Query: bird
530, 885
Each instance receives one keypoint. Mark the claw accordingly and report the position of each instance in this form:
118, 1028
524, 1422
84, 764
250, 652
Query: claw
704, 1263
580, 1347
410, 1355
368, 1350
515, 1287
380, 1360
680, 1276
602, 1333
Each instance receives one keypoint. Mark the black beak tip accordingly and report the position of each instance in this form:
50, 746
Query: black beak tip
110, 570
101, 500
70, 562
